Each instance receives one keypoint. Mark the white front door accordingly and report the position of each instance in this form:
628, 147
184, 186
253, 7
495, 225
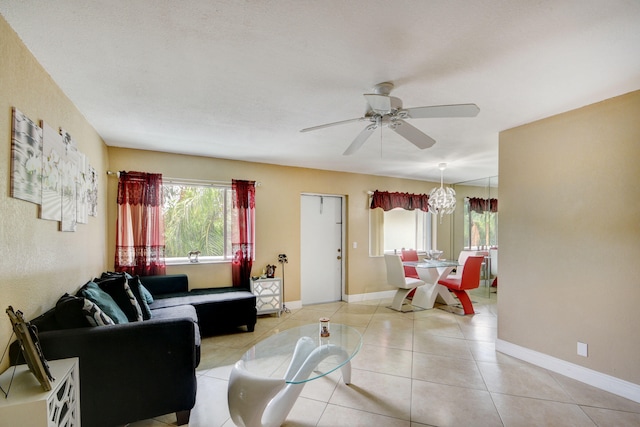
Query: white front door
321, 249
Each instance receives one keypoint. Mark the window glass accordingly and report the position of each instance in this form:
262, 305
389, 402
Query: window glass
397, 229
197, 217
480, 229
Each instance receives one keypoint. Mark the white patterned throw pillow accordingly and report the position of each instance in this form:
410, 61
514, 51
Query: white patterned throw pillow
95, 316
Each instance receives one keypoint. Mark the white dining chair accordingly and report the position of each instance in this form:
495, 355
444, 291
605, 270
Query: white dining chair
396, 277
493, 254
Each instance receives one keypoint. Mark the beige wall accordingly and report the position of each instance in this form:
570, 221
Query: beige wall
570, 236
277, 213
38, 263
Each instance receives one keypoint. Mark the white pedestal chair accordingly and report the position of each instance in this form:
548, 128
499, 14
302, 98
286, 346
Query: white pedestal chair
493, 253
396, 277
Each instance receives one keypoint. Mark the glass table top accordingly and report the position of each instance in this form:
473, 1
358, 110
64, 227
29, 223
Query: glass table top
430, 263
272, 357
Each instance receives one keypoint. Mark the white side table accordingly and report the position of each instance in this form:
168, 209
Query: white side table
268, 294
28, 405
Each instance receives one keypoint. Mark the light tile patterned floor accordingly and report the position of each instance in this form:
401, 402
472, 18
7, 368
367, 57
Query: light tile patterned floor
426, 368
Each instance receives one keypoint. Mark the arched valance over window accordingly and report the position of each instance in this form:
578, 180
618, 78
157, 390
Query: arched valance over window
387, 201
478, 204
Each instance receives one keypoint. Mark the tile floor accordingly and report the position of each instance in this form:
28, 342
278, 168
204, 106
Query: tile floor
426, 368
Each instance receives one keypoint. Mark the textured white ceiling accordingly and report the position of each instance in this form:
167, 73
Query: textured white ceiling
239, 79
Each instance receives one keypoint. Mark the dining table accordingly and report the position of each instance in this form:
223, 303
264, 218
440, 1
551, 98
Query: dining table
431, 271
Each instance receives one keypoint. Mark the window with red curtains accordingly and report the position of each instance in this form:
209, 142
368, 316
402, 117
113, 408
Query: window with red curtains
140, 246
242, 231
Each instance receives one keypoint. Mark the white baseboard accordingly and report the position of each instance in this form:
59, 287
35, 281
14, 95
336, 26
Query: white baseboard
370, 296
597, 379
293, 305
351, 298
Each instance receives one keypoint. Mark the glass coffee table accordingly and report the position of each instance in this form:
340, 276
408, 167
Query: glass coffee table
265, 383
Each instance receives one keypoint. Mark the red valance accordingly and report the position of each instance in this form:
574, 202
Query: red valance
245, 192
140, 188
480, 205
388, 201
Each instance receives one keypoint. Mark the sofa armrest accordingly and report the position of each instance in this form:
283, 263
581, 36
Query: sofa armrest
131, 371
167, 284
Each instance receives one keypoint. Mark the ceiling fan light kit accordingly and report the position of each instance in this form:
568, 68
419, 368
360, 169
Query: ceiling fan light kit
384, 110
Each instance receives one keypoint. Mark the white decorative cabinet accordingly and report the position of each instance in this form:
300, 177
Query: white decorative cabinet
268, 294
28, 405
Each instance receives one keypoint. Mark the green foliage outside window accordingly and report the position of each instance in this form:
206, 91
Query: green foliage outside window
480, 229
196, 218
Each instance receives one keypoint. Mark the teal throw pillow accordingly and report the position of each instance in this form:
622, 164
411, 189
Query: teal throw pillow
92, 292
146, 294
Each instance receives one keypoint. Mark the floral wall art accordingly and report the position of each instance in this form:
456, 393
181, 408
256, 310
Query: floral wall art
26, 156
47, 169
53, 151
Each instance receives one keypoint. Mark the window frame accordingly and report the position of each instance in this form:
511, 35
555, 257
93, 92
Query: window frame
427, 234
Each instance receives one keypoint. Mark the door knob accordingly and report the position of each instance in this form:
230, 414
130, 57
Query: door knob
339, 257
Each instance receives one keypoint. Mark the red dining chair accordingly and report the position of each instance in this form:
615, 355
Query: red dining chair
410, 255
470, 279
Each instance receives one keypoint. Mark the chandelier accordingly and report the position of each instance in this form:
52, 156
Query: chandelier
442, 200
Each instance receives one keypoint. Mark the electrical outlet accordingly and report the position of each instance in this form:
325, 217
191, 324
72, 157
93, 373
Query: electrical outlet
582, 349
355, 245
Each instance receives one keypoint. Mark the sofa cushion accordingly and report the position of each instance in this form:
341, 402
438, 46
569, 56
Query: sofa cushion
69, 312
94, 315
146, 294
176, 312
118, 288
143, 296
167, 284
179, 312
218, 309
196, 297
139, 292
47, 321
104, 301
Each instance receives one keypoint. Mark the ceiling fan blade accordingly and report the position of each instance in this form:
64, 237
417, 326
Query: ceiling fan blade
359, 119
378, 103
360, 139
412, 134
440, 111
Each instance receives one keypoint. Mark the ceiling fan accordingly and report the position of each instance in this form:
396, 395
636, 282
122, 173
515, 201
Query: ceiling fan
386, 111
